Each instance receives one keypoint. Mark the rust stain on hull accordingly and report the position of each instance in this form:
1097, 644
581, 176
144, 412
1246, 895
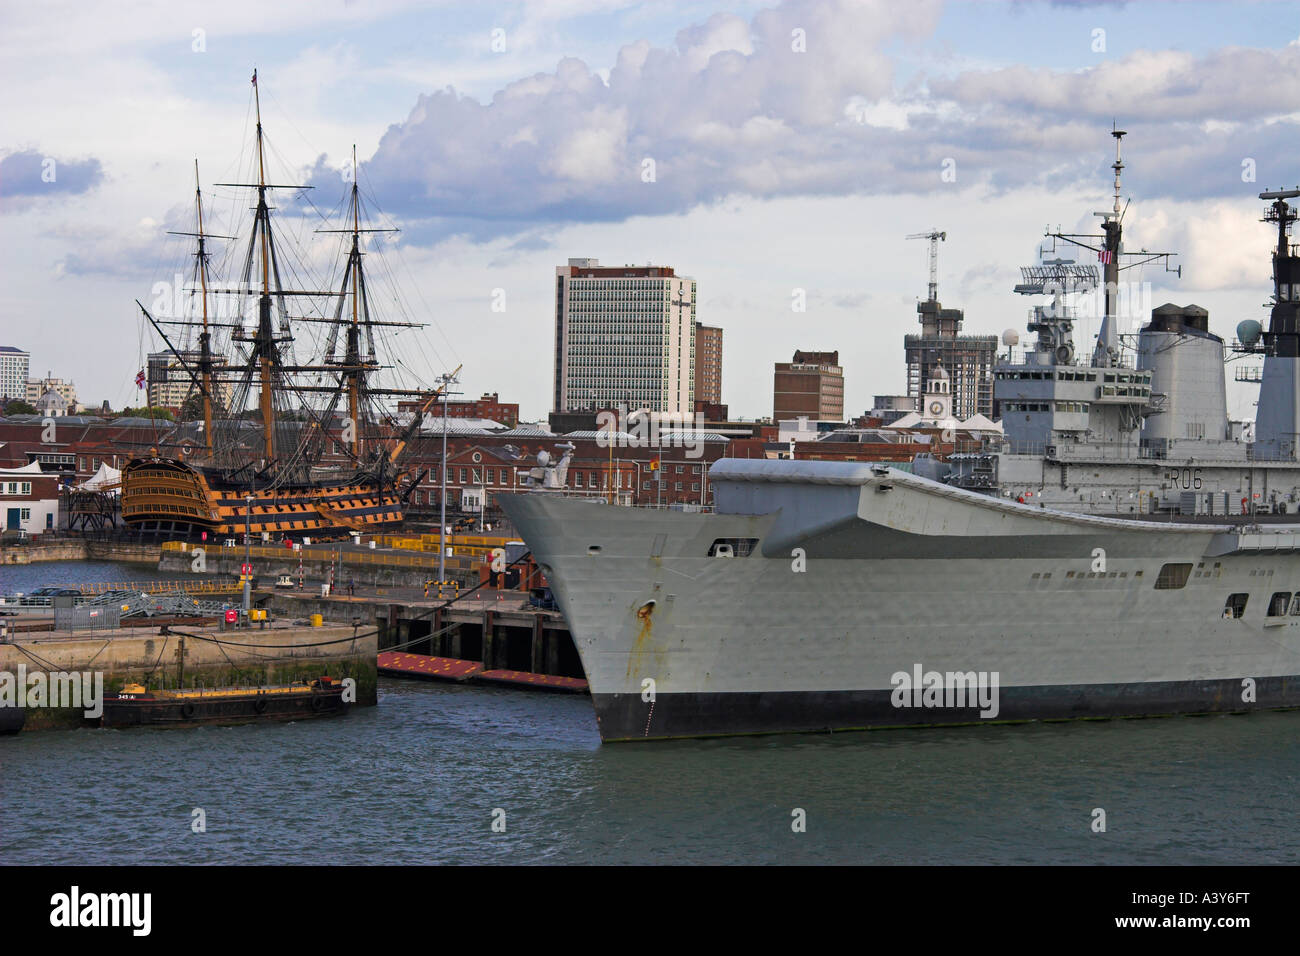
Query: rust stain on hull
639, 646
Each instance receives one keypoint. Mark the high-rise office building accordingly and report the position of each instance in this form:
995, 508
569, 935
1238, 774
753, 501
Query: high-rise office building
14, 363
810, 386
624, 335
708, 365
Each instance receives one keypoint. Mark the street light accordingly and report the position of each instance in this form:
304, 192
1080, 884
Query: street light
447, 380
248, 542
636, 491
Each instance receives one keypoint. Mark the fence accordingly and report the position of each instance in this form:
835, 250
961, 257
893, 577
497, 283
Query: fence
160, 587
347, 554
87, 618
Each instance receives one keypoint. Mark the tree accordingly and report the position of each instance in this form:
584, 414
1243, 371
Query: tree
192, 409
19, 407
147, 412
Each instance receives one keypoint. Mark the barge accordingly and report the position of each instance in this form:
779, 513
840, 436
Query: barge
134, 706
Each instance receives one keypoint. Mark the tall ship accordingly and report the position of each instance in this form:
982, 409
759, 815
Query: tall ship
1125, 550
295, 438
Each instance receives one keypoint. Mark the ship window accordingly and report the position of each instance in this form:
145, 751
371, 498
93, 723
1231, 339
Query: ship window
1295, 605
1277, 604
1173, 576
1235, 606
740, 547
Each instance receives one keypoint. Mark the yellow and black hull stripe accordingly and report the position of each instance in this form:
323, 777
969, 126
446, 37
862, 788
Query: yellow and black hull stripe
164, 495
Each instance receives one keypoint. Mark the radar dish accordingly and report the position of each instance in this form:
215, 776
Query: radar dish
1010, 337
1249, 331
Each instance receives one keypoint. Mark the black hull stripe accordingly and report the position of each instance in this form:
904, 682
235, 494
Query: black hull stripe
626, 717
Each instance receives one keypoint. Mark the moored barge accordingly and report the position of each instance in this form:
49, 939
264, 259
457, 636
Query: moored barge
134, 706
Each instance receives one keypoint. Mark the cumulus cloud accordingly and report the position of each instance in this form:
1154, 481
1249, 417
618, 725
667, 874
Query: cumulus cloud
802, 100
30, 174
751, 107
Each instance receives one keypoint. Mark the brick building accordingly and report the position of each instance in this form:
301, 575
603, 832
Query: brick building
810, 386
708, 365
489, 406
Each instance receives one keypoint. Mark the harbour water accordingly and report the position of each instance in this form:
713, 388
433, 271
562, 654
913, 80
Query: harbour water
418, 780
27, 577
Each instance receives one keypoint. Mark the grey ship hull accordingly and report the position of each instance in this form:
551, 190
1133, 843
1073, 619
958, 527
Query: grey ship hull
903, 575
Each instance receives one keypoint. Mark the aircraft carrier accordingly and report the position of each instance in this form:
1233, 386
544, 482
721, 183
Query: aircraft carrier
1125, 550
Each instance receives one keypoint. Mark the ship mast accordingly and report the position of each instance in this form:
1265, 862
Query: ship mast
1112, 228
1114, 260
353, 354
264, 355
203, 376
264, 343
205, 337
353, 365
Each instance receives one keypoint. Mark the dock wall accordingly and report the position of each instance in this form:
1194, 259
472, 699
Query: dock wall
190, 656
371, 573
77, 549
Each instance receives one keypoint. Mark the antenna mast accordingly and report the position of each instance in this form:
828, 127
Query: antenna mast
1111, 255
1107, 351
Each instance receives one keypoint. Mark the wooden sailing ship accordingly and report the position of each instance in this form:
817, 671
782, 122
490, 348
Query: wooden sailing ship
261, 469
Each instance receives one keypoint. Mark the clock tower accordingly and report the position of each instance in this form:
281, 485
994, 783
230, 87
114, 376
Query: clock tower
936, 403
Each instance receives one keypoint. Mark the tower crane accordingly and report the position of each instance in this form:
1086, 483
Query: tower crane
935, 237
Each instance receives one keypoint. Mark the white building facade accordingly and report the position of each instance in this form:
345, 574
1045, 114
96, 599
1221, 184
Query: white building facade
29, 500
14, 364
624, 335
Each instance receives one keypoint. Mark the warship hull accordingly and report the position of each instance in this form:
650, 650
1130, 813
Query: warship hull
166, 498
837, 596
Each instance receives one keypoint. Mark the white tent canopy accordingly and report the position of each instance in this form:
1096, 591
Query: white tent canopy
105, 476
32, 467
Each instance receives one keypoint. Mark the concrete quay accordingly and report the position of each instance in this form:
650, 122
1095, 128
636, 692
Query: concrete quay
193, 655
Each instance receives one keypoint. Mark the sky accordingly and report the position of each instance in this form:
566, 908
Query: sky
773, 151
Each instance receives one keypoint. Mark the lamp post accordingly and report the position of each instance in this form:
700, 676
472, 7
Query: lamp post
636, 491
447, 380
248, 543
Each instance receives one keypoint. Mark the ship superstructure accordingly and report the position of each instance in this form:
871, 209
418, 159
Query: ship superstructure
1141, 428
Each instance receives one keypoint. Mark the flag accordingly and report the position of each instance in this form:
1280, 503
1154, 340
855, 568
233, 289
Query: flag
139, 379
1106, 257
654, 464
255, 78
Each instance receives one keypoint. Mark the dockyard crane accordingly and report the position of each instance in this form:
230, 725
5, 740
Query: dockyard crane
935, 237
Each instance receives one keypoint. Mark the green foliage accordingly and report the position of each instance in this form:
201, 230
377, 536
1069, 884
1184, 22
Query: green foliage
192, 410
19, 407
147, 412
